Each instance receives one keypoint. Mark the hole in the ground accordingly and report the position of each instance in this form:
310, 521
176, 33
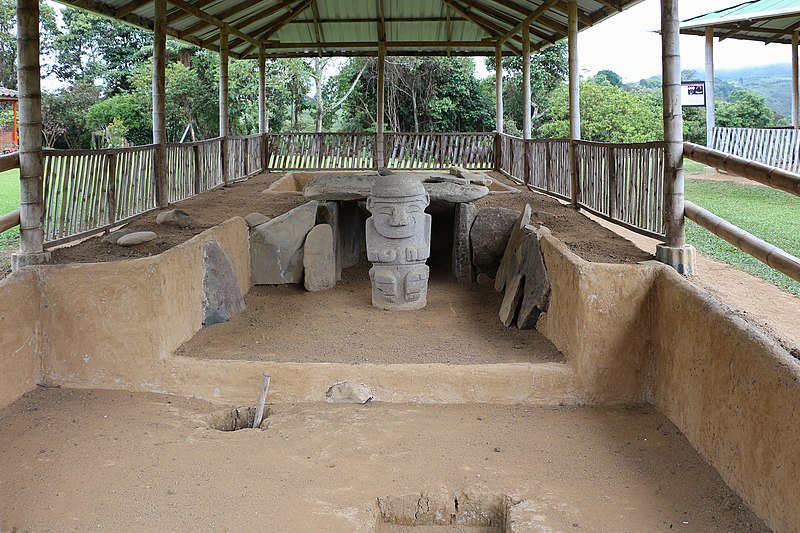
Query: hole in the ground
425, 513
236, 418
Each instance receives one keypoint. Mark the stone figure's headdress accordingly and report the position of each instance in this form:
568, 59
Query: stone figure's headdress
395, 188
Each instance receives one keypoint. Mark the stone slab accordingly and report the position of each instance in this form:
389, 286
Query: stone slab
328, 213
276, 247
222, 298
508, 308
357, 186
489, 237
463, 219
319, 261
536, 289
174, 217
137, 237
511, 258
256, 219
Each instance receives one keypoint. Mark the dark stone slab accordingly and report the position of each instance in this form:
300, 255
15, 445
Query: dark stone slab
489, 237
220, 286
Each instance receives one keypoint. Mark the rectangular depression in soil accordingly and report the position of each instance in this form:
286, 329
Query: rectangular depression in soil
459, 325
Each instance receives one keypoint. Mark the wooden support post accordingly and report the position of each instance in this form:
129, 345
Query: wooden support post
498, 87
262, 104
31, 196
159, 103
526, 82
795, 83
674, 251
612, 183
574, 100
224, 123
198, 170
380, 156
111, 191
711, 113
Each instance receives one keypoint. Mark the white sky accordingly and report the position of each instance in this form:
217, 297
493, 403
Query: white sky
627, 44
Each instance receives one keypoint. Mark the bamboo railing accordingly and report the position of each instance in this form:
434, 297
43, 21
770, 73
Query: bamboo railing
767, 175
777, 147
439, 151
318, 151
623, 183
244, 156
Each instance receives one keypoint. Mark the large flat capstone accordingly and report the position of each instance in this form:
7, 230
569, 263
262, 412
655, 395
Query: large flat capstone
357, 186
276, 247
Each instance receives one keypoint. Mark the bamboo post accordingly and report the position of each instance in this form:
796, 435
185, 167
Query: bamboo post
498, 87
223, 107
795, 83
674, 251
711, 113
380, 156
262, 104
612, 183
574, 99
31, 171
526, 82
198, 170
111, 192
159, 102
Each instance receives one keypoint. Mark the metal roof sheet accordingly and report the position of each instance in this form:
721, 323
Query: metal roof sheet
768, 21
290, 28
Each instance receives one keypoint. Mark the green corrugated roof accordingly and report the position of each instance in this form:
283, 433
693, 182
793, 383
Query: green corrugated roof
758, 20
353, 27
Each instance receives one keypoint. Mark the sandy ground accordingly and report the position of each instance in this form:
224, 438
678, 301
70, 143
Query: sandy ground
118, 461
459, 325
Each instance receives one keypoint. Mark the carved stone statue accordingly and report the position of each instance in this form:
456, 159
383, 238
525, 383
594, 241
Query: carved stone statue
398, 242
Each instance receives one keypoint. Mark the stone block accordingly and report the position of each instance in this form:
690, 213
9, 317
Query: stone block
319, 263
463, 219
276, 247
489, 237
328, 213
222, 298
536, 288
511, 258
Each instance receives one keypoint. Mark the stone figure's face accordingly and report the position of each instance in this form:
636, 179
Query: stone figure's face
398, 220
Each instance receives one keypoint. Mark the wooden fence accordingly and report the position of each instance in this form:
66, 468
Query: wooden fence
244, 156
621, 182
318, 151
439, 151
89, 189
777, 147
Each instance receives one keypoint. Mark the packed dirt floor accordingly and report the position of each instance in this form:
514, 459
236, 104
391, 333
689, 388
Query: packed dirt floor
459, 325
118, 461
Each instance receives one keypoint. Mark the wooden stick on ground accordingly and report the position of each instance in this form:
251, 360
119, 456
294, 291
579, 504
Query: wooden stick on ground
261, 401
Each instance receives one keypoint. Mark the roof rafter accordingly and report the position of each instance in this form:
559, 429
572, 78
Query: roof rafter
536, 13
222, 25
281, 22
490, 27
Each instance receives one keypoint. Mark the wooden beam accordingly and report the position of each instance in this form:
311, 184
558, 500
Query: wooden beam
224, 122
505, 18
380, 156
214, 21
389, 44
488, 26
159, 102
130, 7
179, 14
526, 84
262, 90
381, 21
711, 115
317, 27
31, 231
372, 52
498, 88
270, 28
239, 24
673, 125
395, 20
526, 22
574, 99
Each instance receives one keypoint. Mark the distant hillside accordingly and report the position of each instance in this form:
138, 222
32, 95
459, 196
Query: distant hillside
771, 82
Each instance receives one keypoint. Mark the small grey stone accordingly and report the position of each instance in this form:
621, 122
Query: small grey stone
174, 217
542, 214
446, 178
349, 392
489, 237
484, 279
137, 237
385, 171
319, 264
114, 236
256, 219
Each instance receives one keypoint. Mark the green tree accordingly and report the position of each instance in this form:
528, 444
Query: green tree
122, 109
743, 109
8, 38
65, 112
608, 114
607, 77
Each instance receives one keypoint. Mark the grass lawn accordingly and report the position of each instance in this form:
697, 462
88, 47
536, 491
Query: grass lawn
769, 214
691, 168
9, 201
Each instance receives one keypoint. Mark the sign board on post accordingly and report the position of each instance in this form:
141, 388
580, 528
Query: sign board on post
693, 94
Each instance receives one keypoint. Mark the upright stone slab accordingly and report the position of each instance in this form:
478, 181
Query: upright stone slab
462, 266
511, 257
398, 243
222, 298
489, 237
536, 289
319, 263
276, 247
328, 213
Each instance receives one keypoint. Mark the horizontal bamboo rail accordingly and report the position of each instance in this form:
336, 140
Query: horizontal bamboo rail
9, 220
9, 161
767, 175
746, 242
